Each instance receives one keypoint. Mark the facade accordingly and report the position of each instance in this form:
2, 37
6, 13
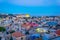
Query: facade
18, 36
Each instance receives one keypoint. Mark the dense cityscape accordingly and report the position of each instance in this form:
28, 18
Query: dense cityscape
27, 27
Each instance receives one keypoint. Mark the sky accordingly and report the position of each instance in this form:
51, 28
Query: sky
32, 7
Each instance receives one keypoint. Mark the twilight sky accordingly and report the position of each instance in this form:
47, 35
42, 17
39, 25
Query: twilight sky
40, 7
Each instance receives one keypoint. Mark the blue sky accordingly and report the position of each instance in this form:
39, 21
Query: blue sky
32, 7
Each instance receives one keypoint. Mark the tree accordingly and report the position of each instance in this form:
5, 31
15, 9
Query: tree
2, 29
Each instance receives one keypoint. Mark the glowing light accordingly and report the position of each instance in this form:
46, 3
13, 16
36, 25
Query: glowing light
41, 30
27, 15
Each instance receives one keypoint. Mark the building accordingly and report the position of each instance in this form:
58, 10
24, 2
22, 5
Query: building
23, 15
18, 36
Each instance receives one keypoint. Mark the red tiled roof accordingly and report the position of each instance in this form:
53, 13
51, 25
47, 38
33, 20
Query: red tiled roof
34, 24
27, 26
17, 34
58, 32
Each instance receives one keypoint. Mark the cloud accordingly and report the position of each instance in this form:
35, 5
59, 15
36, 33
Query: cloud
31, 2
1, 1
58, 2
